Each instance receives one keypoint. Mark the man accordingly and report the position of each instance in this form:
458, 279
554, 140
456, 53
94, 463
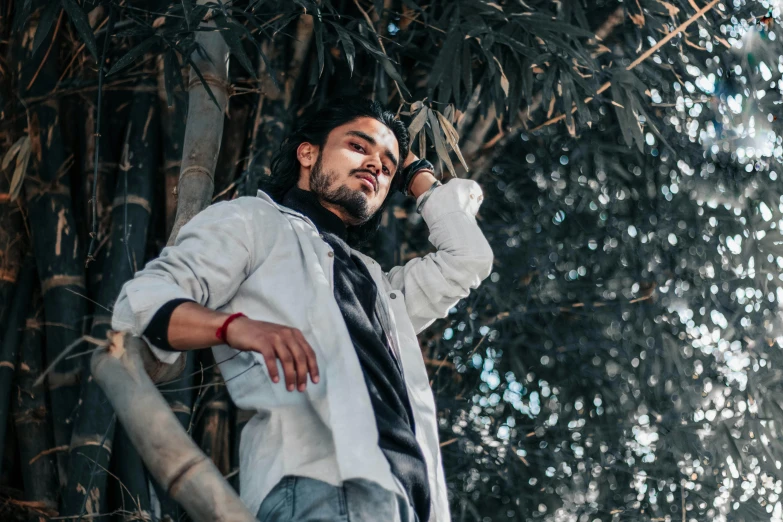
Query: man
271, 280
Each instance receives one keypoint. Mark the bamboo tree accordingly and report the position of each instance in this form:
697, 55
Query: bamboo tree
172, 458
33, 418
58, 252
11, 340
91, 445
204, 128
212, 420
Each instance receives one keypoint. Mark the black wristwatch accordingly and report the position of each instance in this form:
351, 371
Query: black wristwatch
411, 170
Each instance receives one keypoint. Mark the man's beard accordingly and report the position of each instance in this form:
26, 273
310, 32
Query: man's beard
353, 202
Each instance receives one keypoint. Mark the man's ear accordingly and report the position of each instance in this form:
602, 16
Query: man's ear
307, 154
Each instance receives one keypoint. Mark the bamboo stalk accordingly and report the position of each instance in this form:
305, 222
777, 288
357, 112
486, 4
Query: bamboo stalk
11, 340
172, 458
33, 418
213, 418
56, 245
130, 217
204, 128
179, 396
173, 120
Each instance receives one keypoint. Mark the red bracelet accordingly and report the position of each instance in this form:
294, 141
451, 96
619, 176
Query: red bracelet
223, 330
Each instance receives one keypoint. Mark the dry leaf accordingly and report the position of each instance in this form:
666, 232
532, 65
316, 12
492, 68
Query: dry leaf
21, 169
452, 137
418, 122
672, 9
11, 153
503, 80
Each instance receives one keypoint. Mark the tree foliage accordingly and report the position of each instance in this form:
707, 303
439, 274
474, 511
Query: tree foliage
621, 363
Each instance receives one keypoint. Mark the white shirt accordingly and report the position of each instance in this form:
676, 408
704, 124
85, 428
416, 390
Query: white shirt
252, 256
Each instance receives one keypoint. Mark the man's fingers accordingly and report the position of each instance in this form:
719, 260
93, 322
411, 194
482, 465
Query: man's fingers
271, 363
300, 360
312, 363
289, 368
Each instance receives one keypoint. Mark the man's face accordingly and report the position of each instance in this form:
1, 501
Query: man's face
352, 172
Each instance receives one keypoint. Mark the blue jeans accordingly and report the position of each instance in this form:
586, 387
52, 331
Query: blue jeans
303, 499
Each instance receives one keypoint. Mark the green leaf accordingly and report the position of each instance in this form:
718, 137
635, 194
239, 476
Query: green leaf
319, 43
172, 75
347, 43
440, 146
131, 55
48, 17
387, 65
230, 31
11, 153
82, 24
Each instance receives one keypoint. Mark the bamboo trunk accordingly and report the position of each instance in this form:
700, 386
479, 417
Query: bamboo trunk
58, 252
231, 150
11, 340
177, 464
173, 120
33, 418
213, 417
204, 128
179, 395
91, 444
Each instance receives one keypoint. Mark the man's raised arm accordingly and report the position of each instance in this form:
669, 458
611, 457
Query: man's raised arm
436, 282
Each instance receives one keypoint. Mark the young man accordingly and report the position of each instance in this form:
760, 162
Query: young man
271, 280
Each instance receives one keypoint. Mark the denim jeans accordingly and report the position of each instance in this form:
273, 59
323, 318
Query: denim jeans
300, 499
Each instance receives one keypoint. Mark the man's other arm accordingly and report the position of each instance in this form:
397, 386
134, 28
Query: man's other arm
433, 284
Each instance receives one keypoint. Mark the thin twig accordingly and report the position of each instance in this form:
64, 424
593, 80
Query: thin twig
96, 156
49, 50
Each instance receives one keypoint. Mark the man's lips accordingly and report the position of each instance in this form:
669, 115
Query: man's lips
369, 180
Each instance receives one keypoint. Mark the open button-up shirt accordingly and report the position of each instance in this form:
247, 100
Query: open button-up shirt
253, 256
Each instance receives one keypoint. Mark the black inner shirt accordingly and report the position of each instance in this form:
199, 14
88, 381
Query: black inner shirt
357, 298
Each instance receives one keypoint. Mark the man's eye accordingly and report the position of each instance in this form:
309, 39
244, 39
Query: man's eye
386, 169
357, 147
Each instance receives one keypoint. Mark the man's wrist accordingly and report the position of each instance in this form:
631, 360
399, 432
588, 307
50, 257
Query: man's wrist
421, 183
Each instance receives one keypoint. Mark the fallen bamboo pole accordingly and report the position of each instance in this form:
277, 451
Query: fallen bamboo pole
171, 456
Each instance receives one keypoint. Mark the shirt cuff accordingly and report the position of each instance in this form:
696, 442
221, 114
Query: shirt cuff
157, 331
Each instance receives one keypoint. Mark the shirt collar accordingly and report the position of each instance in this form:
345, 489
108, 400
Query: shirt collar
306, 203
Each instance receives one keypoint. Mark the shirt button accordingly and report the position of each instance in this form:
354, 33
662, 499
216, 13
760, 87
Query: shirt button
330, 254
393, 295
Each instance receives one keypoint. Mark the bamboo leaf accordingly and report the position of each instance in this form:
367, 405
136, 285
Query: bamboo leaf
17, 180
230, 33
82, 24
440, 146
348, 46
48, 16
11, 152
387, 65
452, 137
319, 43
131, 55
503, 79
418, 122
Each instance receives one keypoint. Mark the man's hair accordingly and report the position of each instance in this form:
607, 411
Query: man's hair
315, 129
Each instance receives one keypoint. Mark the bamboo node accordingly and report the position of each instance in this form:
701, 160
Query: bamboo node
192, 170
61, 280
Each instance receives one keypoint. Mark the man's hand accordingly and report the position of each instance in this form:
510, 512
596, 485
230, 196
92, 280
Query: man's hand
422, 181
275, 341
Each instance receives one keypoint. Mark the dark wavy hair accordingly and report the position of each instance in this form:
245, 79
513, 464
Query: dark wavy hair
315, 129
